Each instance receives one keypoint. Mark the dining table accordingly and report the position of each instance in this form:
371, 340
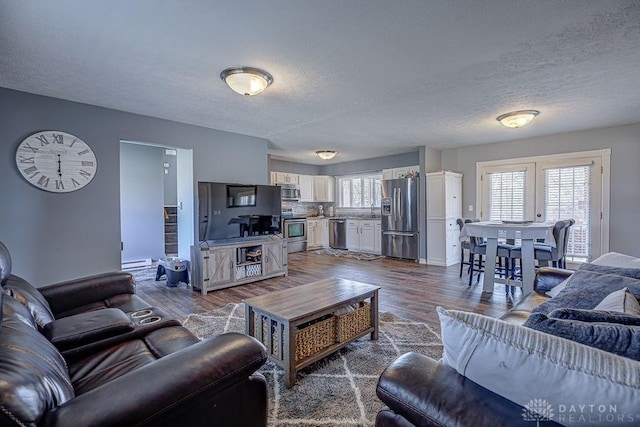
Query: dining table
525, 231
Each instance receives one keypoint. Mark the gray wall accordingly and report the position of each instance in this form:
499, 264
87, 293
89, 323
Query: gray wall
369, 165
293, 167
346, 168
141, 201
55, 237
624, 141
170, 179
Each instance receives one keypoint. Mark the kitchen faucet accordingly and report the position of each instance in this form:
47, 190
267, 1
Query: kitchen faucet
373, 206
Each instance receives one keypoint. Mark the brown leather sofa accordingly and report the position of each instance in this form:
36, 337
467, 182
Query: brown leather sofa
420, 391
81, 353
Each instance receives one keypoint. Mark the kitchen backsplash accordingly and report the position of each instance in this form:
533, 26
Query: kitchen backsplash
311, 210
307, 208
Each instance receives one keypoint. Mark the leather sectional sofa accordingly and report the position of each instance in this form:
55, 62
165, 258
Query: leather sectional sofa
421, 391
90, 352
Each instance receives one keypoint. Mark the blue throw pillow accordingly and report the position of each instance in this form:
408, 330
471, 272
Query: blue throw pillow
595, 316
585, 289
607, 269
622, 340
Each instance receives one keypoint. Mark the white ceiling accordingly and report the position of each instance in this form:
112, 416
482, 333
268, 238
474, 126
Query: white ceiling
365, 77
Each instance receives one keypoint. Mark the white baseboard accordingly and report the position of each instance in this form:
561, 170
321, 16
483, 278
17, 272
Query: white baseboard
137, 263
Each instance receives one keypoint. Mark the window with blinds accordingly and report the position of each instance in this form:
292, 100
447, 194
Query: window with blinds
360, 191
567, 192
507, 195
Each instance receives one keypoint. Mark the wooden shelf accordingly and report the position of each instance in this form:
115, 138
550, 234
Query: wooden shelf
170, 230
249, 263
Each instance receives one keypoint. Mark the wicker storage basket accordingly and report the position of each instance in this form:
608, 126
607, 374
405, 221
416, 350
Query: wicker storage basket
355, 322
312, 338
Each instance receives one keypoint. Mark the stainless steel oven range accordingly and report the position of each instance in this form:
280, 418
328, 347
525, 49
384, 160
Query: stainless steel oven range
295, 231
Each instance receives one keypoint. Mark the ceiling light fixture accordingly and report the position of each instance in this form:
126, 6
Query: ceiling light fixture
517, 119
326, 154
246, 80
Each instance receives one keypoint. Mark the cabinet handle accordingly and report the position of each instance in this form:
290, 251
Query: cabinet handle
231, 264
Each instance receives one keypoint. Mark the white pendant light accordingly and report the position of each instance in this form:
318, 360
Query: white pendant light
247, 81
517, 119
326, 154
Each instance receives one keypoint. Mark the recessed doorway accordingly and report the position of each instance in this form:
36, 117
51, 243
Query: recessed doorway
156, 202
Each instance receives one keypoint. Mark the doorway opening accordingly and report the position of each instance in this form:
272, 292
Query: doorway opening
156, 203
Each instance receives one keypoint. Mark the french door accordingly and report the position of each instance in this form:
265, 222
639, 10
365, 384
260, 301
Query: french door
572, 189
550, 188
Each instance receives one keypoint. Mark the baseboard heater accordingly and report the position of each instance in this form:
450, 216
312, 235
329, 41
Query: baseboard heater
136, 263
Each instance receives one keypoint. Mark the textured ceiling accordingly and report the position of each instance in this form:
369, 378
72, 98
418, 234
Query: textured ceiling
365, 77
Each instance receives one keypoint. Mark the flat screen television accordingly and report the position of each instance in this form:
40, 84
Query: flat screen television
231, 211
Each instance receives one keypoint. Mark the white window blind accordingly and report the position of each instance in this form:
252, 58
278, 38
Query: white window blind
360, 191
507, 195
568, 196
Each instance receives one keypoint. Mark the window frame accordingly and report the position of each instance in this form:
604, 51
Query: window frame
374, 176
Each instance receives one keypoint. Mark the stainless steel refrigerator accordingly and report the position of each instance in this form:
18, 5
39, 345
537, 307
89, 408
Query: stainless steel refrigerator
400, 218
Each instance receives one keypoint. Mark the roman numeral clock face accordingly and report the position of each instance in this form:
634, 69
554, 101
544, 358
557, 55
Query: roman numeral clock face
56, 161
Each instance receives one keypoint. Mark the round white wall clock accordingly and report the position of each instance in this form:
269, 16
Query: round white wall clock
56, 161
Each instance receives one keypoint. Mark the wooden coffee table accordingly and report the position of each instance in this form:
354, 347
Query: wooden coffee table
283, 318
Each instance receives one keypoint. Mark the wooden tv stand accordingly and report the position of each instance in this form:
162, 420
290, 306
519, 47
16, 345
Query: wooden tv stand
222, 265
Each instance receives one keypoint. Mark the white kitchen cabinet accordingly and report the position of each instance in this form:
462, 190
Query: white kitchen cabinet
323, 188
378, 238
444, 207
403, 172
453, 243
361, 235
286, 178
322, 233
312, 225
306, 188
317, 233
353, 235
367, 236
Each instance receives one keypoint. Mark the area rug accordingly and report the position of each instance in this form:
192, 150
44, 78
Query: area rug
339, 390
348, 254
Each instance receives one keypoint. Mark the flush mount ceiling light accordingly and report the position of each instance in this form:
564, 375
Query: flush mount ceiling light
246, 80
517, 119
326, 154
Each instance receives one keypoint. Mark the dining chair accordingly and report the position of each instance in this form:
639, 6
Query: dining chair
557, 255
464, 246
543, 253
477, 246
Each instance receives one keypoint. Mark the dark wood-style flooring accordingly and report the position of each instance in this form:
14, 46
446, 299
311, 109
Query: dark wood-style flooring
409, 289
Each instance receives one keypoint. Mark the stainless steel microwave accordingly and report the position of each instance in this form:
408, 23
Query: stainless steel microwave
290, 192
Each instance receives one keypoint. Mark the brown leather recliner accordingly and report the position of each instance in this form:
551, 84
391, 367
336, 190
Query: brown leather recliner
126, 373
